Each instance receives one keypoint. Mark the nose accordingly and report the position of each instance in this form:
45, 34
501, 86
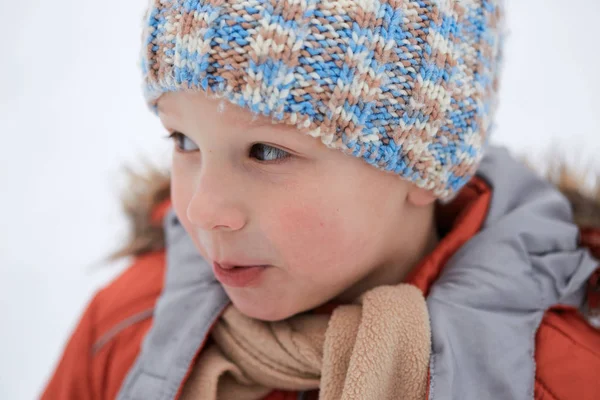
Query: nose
216, 203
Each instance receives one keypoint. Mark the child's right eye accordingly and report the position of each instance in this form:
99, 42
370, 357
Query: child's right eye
183, 143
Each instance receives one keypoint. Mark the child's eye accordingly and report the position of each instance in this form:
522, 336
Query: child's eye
265, 153
183, 143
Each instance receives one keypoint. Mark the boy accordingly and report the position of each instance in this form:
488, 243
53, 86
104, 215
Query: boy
328, 236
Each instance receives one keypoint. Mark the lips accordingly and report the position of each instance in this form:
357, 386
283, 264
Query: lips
226, 265
238, 275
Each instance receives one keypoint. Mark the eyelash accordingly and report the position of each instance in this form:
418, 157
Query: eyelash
176, 136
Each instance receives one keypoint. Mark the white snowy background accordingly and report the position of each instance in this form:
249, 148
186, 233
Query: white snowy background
71, 114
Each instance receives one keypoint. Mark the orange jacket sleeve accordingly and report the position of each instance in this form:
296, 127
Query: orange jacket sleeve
72, 377
108, 338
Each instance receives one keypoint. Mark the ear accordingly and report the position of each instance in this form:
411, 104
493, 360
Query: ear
420, 197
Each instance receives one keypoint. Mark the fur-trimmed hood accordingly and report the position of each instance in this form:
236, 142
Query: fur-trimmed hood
147, 190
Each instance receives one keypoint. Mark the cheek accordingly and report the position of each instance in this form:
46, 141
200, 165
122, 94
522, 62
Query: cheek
307, 223
315, 239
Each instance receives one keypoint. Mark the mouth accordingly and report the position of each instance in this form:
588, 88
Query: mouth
238, 275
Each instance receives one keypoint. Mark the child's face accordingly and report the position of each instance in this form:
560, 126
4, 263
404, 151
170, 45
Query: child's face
250, 192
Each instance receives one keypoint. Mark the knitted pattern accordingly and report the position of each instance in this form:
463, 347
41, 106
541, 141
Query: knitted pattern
407, 85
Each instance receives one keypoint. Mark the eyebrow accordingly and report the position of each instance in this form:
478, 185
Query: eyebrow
167, 112
253, 124
160, 107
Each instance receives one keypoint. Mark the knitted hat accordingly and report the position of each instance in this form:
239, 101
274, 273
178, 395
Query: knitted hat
407, 85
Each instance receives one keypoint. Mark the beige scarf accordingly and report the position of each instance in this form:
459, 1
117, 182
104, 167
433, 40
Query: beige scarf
377, 349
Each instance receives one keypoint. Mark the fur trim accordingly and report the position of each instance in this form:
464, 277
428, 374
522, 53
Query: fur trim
584, 199
146, 191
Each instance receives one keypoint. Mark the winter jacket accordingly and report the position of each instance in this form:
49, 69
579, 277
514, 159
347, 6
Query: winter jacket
509, 289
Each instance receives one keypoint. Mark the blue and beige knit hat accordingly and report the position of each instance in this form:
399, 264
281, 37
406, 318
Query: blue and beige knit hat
407, 85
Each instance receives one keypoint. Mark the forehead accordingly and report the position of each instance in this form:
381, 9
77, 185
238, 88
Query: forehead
179, 109
185, 104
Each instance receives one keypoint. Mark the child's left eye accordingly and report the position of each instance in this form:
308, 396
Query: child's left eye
265, 153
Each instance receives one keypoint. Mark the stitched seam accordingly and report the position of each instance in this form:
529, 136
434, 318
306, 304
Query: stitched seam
120, 327
138, 301
573, 341
547, 389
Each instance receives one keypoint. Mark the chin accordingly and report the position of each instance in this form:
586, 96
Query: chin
264, 312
